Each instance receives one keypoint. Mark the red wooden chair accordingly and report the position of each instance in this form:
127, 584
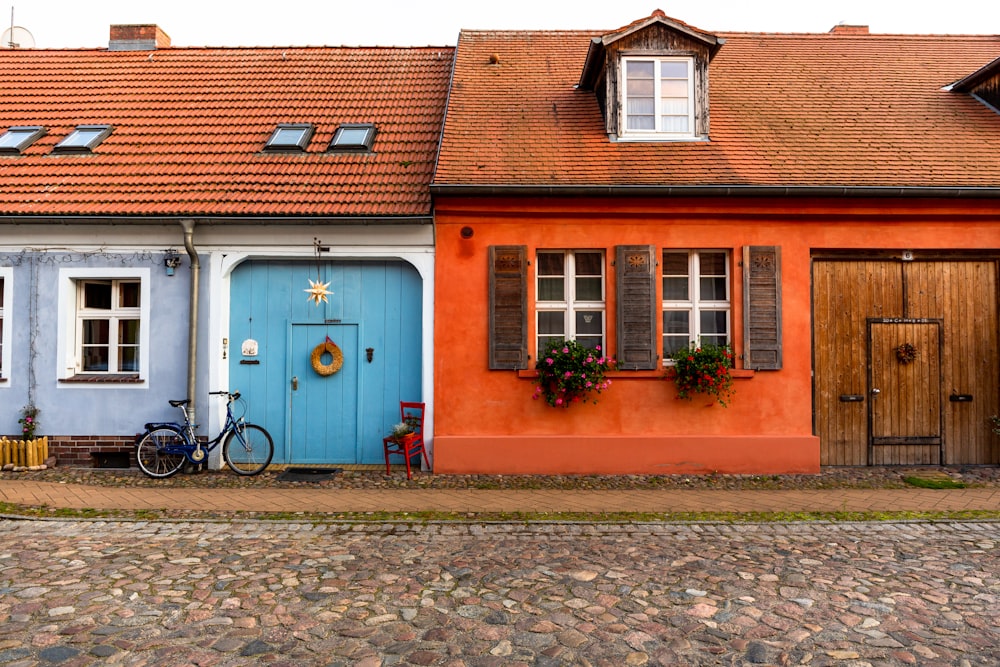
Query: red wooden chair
411, 444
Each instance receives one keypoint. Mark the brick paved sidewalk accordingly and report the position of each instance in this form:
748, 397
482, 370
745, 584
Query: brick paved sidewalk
79, 496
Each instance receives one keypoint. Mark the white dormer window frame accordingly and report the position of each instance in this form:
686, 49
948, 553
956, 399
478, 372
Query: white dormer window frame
658, 98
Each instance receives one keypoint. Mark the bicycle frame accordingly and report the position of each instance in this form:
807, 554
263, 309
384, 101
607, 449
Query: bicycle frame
193, 449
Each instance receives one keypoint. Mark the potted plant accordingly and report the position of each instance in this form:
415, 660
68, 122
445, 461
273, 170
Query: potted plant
703, 369
401, 430
569, 373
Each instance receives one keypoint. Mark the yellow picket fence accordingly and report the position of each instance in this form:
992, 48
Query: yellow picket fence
25, 453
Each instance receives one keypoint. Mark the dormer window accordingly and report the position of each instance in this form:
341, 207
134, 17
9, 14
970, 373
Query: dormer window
290, 137
18, 138
658, 97
84, 139
651, 80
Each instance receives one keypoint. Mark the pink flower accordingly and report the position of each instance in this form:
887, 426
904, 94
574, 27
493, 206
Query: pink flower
589, 384
569, 374
550, 361
590, 360
598, 348
565, 350
558, 401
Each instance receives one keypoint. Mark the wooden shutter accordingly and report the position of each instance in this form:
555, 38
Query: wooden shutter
762, 307
508, 307
635, 270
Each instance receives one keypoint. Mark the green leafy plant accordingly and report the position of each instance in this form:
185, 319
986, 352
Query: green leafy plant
570, 373
703, 369
28, 422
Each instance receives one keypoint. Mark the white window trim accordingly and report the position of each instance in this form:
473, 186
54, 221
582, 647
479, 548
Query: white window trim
624, 134
67, 330
695, 304
7, 315
571, 305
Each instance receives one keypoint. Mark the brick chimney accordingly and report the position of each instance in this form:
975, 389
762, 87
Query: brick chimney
137, 38
841, 29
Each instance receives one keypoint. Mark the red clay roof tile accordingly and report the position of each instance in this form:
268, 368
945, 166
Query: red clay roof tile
785, 109
189, 126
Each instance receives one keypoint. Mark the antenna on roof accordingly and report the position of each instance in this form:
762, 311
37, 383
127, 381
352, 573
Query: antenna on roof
16, 37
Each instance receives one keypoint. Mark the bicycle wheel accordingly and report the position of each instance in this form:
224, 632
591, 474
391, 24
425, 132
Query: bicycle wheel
248, 450
151, 455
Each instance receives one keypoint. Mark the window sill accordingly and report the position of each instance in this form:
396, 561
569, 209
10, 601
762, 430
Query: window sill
737, 373
109, 378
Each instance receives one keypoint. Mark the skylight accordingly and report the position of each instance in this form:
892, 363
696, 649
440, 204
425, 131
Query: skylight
290, 137
17, 138
353, 137
84, 139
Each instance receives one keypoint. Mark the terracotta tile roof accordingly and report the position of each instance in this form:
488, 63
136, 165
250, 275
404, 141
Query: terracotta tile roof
786, 110
190, 123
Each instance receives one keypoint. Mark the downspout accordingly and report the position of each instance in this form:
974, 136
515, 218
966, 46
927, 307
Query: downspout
188, 226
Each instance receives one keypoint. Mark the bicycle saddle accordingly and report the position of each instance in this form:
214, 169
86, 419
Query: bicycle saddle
178, 403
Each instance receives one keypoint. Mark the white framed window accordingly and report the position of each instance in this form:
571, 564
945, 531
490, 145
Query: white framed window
696, 298
6, 312
104, 324
658, 97
569, 297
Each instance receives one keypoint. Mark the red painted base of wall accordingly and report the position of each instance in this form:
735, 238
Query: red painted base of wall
626, 455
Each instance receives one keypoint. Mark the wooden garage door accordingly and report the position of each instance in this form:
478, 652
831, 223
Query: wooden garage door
962, 295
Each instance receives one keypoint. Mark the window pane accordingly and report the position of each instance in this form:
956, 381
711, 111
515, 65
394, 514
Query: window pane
288, 136
95, 358
588, 263
128, 359
675, 263
550, 264
713, 289
589, 342
551, 289
677, 322
128, 295
639, 69
589, 322
674, 89
551, 323
128, 332
675, 289
673, 343
713, 322
642, 122
674, 123
675, 69
712, 263
353, 136
97, 295
588, 289
95, 332
674, 106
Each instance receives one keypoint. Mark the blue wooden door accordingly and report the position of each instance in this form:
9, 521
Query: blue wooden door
324, 408
374, 304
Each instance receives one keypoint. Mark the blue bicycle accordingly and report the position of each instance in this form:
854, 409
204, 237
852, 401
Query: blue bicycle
165, 446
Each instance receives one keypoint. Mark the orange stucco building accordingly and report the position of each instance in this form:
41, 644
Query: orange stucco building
815, 206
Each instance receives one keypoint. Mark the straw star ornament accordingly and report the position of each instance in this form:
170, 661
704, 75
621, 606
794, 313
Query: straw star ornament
318, 291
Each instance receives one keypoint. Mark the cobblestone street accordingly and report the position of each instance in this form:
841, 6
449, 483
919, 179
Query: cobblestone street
204, 593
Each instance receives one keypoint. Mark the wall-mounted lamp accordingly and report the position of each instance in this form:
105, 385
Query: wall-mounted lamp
171, 260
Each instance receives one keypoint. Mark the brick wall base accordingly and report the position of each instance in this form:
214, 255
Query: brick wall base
77, 450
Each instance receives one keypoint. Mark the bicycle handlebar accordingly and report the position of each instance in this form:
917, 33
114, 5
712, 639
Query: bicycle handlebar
232, 395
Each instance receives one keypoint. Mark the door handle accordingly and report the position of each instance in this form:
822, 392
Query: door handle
876, 391
295, 383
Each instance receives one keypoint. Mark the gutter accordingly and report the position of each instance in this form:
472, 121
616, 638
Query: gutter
188, 226
888, 192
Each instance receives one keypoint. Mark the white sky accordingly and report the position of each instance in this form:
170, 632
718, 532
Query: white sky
82, 23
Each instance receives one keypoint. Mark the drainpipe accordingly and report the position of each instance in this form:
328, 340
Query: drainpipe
188, 226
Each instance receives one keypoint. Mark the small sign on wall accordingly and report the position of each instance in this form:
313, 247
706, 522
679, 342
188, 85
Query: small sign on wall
249, 348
